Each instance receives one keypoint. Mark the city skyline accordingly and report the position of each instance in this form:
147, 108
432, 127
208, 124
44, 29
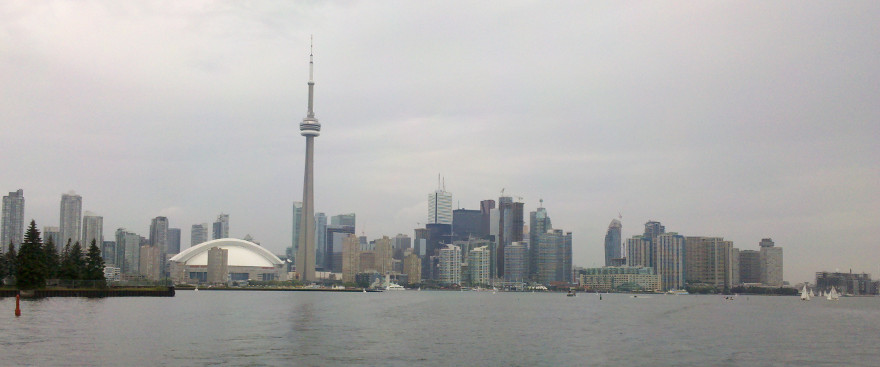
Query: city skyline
695, 116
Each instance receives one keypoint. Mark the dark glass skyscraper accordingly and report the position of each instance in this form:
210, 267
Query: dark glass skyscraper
612, 242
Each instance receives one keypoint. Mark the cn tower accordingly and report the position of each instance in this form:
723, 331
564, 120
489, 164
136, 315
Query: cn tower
310, 128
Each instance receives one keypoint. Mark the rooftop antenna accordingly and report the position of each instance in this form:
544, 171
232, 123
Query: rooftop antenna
444, 183
542, 203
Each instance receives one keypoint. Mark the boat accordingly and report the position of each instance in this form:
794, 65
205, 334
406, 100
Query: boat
812, 295
805, 296
394, 287
833, 295
571, 293
677, 291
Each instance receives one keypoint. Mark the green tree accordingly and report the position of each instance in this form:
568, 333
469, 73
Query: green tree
11, 260
71, 259
94, 267
31, 270
52, 259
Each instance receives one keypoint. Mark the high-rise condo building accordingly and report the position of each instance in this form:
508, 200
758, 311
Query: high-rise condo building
771, 263
750, 266
539, 222
71, 218
613, 242
654, 229
150, 263
639, 252
669, 260
221, 226
711, 261
440, 206
159, 240
450, 265
554, 257
13, 220
351, 258
478, 265
108, 253
198, 234
53, 234
297, 224
383, 255
516, 262
128, 251
92, 230
173, 241
412, 267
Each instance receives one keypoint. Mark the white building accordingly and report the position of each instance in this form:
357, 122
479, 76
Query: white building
71, 218
440, 207
450, 265
92, 229
13, 219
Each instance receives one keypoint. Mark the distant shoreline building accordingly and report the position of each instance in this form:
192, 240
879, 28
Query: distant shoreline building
13, 220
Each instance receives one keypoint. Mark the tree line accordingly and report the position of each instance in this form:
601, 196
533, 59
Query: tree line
35, 262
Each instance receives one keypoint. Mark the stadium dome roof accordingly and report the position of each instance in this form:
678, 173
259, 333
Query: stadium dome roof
241, 253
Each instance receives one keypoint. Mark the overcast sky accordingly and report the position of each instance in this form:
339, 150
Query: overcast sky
741, 119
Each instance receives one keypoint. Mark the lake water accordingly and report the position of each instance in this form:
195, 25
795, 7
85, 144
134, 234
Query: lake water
409, 328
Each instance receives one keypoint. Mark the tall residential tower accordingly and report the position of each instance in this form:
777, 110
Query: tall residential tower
13, 219
71, 218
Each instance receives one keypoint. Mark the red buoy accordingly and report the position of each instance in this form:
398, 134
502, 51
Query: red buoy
17, 306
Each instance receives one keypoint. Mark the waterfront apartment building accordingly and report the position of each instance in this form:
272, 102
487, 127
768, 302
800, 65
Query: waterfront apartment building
412, 267
92, 230
618, 278
516, 263
478, 265
613, 242
351, 258
384, 254
12, 226
711, 261
750, 267
669, 260
771, 263
845, 283
449, 265
150, 266
639, 252
198, 234
221, 227
71, 218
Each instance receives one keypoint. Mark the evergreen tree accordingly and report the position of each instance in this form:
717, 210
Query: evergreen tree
78, 259
4, 268
31, 270
67, 269
11, 262
52, 260
94, 263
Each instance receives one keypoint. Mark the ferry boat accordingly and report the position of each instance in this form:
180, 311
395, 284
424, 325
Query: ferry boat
677, 292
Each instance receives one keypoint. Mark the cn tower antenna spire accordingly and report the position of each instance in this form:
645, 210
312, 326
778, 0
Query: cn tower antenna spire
311, 113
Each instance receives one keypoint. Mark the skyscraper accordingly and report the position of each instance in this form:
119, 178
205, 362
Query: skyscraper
450, 265
297, 218
539, 222
221, 226
53, 233
771, 263
551, 256
173, 241
127, 251
639, 252
198, 234
669, 260
654, 229
516, 264
310, 128
351, 258
486, 207
321, 238
348, 219
13, 219
612, 242
510, 226
158, 240
440, 206
92, 229
466, 223
71, 218
710, 260
750, 266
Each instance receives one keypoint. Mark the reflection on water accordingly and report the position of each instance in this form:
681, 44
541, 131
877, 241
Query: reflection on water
438, 328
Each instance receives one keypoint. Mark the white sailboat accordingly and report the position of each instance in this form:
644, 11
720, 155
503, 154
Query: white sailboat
833, 295
812, 294
805, 296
